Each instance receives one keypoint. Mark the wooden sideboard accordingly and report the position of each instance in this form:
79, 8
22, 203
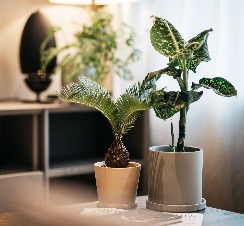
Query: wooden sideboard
62, 140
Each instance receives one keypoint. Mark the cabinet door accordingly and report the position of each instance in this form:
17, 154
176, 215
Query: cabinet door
78, 136
18, 143
17, 190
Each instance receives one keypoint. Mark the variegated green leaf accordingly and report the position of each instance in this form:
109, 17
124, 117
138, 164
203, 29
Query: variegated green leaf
172, 71
186, 54
174, 62
219, 85
196, 42
152, 77
195, 86
160, 106
149, 81
199, 47
165, 38
166, 104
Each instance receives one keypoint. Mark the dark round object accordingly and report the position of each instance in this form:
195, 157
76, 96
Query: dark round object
38, 83
34, 33
117, 155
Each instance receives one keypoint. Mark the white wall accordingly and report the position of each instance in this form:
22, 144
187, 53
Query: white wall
14, 14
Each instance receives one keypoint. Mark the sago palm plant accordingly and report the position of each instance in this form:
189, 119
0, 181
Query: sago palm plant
184, 56
120, 114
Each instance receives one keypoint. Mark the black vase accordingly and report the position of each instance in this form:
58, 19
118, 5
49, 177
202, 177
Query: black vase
34, 33
38, 82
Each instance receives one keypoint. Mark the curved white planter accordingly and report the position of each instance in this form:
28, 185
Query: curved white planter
175, 179
117, 187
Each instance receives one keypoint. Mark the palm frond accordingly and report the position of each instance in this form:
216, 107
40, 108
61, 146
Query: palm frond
121, 114
129, 109
138, 91
144, 91
91, 94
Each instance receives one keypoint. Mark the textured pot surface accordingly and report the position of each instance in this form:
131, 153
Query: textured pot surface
117, 187
175, 179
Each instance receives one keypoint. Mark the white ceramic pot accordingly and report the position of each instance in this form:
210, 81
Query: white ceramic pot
117, 187
175, 179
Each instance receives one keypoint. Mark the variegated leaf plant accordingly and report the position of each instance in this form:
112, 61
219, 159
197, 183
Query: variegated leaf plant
184, 56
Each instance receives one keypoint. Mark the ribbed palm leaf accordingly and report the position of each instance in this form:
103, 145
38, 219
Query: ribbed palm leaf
129, 109
121, 114
91, 94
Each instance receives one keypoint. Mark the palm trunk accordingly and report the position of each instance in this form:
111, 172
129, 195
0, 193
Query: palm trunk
117, 155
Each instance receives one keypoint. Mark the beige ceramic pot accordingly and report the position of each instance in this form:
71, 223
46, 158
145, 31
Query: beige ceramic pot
175, 179
117, 187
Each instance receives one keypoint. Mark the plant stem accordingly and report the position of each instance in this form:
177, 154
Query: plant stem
172, 146
185, 75
182, 130
183, 113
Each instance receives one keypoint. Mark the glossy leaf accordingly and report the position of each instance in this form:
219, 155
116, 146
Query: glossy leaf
196, 42
151, 78
166, 104
172, 71
165, 38
219, 85
199, 47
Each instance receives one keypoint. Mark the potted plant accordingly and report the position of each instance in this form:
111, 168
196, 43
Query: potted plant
116, 177
175, 172
94, 51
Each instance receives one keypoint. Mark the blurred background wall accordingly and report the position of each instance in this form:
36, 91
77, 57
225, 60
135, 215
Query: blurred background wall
214, 123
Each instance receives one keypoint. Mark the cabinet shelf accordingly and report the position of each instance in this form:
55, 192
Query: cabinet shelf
13, 169
71, 168
62, 140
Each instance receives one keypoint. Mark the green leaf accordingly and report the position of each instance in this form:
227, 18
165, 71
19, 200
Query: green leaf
138, 91
129, 108
166, 104
162, 108
165, 38
219, 85
195, 86
186, 97
151, 78
174, 62
199, 47
91, 94
48, 54
121, 114
149, 81
196, 42
172, 71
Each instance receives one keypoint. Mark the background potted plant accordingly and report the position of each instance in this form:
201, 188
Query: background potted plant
116, 177
94, 51
175, 172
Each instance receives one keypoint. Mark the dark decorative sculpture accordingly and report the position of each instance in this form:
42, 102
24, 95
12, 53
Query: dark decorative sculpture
34, 34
